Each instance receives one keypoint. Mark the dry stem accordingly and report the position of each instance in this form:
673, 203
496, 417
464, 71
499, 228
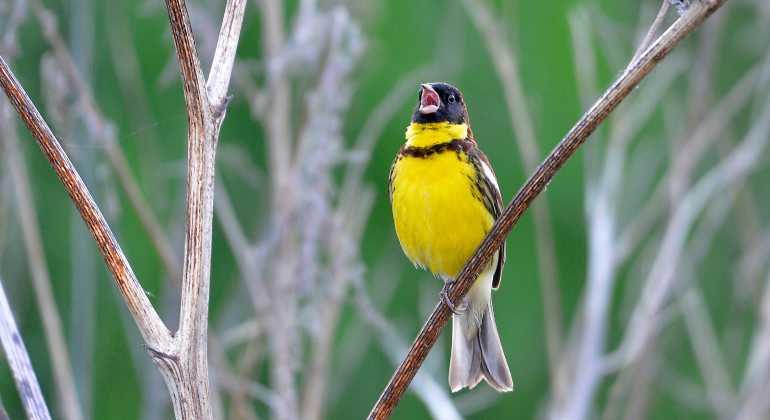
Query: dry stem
21, 366
41, 278
150, 324
101, 131
180, 356
507, 67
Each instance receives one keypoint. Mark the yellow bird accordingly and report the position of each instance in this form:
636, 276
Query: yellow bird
445, 199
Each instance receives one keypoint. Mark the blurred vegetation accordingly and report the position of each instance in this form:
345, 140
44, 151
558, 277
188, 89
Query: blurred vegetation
402, 43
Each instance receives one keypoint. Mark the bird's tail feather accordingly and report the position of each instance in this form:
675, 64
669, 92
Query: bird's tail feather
478, 355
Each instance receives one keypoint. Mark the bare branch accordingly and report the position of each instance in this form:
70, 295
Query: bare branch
101, 130
733, 169
224, 56
531, 189
756, 380
21, 366
41, 278
153, 330
706, 346
189, 385
652, 31
437, 400
507, 67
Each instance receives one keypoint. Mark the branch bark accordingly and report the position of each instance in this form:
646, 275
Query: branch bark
507, 68
151, 326
101, 130
631, 78
41, 278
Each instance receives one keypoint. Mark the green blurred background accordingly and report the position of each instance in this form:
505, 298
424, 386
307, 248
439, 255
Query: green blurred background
404, 40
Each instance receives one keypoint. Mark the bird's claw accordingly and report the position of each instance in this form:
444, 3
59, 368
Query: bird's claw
444, 297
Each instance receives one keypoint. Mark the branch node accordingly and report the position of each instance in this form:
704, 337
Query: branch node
682, 5
219, 111
160, 355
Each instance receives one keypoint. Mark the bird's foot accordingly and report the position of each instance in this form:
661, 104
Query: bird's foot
444, 297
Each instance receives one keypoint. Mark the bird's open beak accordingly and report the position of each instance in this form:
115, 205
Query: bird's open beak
429, 100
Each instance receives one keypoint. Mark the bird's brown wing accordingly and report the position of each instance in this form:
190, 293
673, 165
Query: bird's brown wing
486, 183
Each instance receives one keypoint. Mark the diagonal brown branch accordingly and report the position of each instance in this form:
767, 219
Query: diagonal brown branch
99, 126
507, 67
41, 277
631, 78
153, 330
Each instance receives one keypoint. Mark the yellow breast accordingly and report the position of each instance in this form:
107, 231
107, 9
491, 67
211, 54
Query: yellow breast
438, 217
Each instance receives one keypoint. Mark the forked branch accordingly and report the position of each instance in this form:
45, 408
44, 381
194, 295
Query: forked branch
636, 71
181, 356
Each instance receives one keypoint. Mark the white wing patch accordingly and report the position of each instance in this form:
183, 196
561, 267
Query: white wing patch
489, 174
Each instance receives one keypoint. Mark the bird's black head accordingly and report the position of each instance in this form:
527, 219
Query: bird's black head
439, 102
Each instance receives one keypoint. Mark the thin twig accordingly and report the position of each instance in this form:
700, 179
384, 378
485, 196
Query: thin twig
705, 344
602, 218
153, 330
41, 277
652, 31
239, 244
276, 117
705, 133
101, 131
531, 189
21, 366
756, 380
437, 400
224, 56
241, 407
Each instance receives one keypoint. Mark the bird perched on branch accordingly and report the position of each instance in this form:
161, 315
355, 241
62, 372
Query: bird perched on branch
445, 199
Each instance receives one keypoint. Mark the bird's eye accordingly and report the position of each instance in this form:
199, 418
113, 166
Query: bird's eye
450, 98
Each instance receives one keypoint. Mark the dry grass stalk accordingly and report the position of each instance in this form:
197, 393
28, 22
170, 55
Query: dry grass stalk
699, 206
21, 366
